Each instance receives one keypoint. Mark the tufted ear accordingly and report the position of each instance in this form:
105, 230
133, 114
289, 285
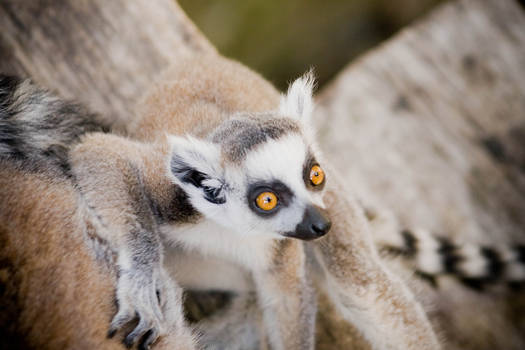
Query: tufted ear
298, 102
195, 165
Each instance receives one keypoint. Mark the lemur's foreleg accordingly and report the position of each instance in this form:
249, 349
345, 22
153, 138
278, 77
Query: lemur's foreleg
287, 298
109, 171
362, 289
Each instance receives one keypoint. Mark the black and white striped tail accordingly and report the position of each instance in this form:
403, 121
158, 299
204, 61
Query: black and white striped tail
476, 266
37, 127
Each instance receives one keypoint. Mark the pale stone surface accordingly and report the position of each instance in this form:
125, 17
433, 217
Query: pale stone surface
103, 53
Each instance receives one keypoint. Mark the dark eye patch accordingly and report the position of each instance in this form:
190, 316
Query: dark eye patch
283, 193
308, 164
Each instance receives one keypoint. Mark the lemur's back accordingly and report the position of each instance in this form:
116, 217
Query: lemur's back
197, 94
56, 281
48, 276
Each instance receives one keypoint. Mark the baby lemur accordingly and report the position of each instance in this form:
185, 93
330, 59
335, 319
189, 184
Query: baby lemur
218, 165
245, 187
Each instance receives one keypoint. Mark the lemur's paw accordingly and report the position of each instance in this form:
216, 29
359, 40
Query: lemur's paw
142, 296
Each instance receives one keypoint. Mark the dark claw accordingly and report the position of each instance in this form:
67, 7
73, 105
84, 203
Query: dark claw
137, 333
148, 339
119, 323
112, 332
128, 341
158, 296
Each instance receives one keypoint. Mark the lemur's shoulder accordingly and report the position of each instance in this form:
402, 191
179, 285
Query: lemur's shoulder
141, 166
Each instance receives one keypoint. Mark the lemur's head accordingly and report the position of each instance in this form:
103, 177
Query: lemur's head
258, 173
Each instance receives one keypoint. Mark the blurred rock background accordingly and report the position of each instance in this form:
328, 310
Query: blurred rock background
283, 38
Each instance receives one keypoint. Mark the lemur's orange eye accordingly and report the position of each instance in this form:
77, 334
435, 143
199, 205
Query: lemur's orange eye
266, 201
316, 175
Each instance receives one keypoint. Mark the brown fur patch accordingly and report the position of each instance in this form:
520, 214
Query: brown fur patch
52, 277
197, 94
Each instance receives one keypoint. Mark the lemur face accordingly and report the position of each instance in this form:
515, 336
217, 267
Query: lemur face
258, 174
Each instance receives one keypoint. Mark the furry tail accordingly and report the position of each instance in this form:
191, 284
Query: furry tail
37, 127
473, 265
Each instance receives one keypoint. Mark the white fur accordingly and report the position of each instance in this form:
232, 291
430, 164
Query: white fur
473, 263
214, 241
428, 260
203, 156
199, 154
196, 271
514, 270
298, 101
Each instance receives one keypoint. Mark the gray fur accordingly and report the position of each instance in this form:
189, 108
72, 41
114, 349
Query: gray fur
239, 135
37, 126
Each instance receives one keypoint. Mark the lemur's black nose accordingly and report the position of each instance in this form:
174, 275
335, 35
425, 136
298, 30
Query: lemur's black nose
321, 227
315, 224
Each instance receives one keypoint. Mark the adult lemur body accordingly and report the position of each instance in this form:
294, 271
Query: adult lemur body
227, 184
135, 198
241, 189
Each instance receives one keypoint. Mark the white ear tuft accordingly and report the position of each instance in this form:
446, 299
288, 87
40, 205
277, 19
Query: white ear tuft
196, 163
198, 154
298, 101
